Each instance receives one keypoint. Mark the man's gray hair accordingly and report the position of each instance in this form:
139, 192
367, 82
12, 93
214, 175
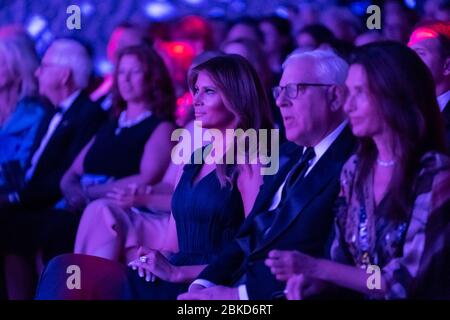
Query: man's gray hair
329, 67
70, 53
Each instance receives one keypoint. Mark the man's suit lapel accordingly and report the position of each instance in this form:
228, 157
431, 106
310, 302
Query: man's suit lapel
272, 183
328, 168
446, 115
72, 113
60, 133
43, 126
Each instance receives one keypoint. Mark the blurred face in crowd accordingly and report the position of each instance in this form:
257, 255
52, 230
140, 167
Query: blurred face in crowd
430, 8
9, 87
220, 29
6, 76
236, 48
361, 108
242, 31
309, 13
305, 41
428, 49
368, 37
121, 38
131, 78
341, 29
272, 40
433, 11
51, 76
308, 116
397, 26
209, 104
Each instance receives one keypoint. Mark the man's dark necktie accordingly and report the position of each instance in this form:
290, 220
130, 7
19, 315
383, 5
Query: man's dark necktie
265, 219
298, 171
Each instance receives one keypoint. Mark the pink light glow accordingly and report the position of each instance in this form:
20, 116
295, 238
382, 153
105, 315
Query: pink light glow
422, 34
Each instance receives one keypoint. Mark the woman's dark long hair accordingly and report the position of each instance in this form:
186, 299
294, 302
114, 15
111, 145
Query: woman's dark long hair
158, 84
404, 89
243, 95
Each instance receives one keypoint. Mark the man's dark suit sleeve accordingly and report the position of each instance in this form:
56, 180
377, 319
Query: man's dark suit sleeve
446, 115
41, 191
317, 220
222, 270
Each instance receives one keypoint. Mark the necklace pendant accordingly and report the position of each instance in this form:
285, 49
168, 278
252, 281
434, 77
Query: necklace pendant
384, 163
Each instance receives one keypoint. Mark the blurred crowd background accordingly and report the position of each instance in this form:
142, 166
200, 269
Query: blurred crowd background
182, 29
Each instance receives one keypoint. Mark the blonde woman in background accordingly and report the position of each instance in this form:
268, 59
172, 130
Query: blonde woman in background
21, 112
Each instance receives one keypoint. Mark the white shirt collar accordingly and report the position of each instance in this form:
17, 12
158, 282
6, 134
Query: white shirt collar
326, 142
443, 100
319, 150
67, 102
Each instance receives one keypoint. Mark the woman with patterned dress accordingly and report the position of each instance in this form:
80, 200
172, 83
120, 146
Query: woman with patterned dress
392, 219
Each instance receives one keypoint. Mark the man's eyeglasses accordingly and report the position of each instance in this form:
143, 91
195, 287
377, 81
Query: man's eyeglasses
293, 89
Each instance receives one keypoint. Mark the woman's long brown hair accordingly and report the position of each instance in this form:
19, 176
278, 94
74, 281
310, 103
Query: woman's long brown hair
243, 93
403, 88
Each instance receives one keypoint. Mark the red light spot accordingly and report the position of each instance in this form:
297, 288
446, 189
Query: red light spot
421, 34
179, 49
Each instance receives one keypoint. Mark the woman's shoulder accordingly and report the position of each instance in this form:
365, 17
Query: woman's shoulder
163, 124
32, 107
161, 127
29, 113
158, 119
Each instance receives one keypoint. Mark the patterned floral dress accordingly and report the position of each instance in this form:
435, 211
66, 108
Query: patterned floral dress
413, 253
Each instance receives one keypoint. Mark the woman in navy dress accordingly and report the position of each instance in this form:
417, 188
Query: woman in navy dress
211, 198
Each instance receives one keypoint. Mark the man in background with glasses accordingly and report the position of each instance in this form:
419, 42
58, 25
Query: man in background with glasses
294, 208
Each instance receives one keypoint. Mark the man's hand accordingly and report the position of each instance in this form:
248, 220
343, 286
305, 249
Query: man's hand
285, 264
212, 293
299, 287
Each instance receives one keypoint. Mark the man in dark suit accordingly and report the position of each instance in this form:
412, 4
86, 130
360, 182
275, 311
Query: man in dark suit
63, 75
294, 208
446, 114
431, 41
